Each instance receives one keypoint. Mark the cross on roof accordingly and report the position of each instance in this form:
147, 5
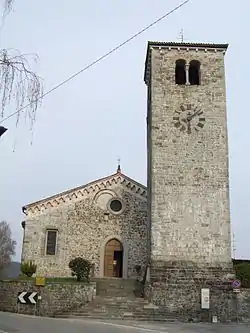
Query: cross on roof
118, 165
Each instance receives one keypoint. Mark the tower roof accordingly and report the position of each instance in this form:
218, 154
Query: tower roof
179, 46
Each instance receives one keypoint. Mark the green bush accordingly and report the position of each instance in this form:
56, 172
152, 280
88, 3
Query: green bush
80, 268
28, 268
242, 271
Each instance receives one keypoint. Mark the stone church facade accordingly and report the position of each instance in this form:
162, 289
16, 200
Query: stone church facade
104, 221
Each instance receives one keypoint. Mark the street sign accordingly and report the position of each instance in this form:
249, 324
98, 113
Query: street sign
40, 281
25, 297
236, 284
2, 130
236, 291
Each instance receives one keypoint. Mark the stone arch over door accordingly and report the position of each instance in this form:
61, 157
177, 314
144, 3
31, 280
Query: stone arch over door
125, 255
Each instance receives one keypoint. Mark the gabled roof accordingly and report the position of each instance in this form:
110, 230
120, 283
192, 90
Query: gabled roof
84, 190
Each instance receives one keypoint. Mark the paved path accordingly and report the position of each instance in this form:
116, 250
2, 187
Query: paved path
14, 323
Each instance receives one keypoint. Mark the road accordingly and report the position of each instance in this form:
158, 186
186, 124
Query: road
14, 323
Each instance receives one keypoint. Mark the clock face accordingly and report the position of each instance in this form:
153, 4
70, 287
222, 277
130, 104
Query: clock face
189, 118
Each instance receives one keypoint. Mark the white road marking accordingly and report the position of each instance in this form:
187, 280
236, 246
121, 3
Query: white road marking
128, 327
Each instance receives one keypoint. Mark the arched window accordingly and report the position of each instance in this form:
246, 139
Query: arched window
194, 72
180, 72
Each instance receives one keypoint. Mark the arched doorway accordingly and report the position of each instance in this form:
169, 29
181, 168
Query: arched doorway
113, 258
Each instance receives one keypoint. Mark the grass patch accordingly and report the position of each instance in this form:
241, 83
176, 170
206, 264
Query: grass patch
47, 279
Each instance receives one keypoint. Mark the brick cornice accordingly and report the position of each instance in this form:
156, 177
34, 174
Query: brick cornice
84, 191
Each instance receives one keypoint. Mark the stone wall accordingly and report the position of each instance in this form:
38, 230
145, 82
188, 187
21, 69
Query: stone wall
56, 298
85, 224
243, 304
176, 288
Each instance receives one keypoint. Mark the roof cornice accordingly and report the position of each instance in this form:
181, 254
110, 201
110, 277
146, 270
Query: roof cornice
80, 192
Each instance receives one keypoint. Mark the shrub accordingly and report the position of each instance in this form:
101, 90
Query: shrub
80, 268
242, 271
28, 268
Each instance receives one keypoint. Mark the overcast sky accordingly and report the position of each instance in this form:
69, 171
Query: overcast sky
83, 127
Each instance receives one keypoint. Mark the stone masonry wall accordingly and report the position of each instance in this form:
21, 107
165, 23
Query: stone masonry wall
56, 298
84, 226
176, 288
189, 172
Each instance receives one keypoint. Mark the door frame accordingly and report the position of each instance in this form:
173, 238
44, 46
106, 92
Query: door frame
124, 257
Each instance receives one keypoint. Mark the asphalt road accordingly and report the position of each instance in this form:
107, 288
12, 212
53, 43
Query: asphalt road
14, 323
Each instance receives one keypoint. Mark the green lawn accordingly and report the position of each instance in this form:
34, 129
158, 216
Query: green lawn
47, 279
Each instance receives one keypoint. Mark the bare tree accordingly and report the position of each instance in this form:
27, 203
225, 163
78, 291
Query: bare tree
7, 6
18, 83
7, 244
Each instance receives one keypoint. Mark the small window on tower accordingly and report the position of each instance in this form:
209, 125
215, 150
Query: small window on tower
194, 72
180, 71
51, 240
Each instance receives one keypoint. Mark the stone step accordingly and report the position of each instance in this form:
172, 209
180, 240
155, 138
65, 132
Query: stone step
116, 287
118, 307
113, 292
121, 317
108, 309
114, 280
121, 288
119, 298
116, 298
113, 307
121, 312
112, 303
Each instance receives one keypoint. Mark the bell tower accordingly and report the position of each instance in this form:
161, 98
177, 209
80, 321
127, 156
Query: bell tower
188, 181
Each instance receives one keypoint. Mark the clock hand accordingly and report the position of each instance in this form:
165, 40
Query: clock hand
189, 118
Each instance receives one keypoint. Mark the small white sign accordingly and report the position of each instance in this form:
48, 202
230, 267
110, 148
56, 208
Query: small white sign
214, 320
205, 298
236, 291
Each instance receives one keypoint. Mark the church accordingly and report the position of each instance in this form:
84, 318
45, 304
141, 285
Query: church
178, 228
104, 221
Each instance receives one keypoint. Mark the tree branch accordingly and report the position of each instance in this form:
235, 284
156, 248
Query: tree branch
19, 83
7, 6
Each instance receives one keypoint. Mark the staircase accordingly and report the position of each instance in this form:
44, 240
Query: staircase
116, 299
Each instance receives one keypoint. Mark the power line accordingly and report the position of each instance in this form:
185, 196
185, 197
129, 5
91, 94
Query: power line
97, 60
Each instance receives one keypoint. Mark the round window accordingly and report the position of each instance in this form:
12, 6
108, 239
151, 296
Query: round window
115, 205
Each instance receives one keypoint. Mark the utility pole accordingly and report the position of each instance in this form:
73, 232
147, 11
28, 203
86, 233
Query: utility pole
2, 130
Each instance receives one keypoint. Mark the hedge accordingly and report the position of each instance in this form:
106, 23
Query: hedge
242, 270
